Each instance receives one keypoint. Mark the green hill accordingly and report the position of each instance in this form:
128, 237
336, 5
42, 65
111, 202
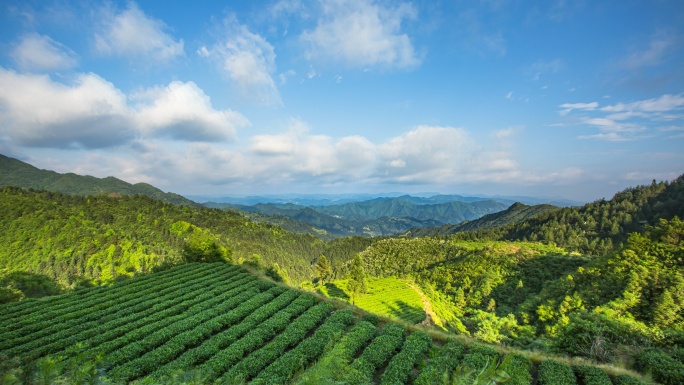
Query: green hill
517, 212
16, 173
197, 323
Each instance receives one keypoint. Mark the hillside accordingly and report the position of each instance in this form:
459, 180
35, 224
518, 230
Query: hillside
101, 238
16, 173
197, 323
517, 212
598, 227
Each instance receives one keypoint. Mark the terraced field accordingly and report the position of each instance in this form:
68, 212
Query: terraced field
228, 326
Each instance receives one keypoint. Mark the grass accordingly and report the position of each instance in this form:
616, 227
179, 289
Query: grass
389, 297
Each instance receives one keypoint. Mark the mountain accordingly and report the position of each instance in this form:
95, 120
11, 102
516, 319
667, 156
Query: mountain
14, 172
516, 213
449, 212
377, 217
338, 199
308, 220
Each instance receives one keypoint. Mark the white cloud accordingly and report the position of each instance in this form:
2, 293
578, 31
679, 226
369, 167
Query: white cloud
664, 103
134, 34
183, 111
568, 107
248, 60
620, 121
91, 112
361, 33
38, 112
39, 52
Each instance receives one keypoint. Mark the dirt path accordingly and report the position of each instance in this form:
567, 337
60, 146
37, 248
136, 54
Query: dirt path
430, 315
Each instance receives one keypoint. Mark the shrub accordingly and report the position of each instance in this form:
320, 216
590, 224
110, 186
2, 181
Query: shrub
555, 373
662, 367
518, 367
624, 379
591, 375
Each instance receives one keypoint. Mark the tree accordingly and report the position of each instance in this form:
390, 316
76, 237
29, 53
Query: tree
323, 269
357, 278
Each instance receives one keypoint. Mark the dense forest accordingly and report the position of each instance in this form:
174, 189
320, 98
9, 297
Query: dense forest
76, 240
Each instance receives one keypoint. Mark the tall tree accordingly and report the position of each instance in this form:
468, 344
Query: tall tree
323, 269
357, 278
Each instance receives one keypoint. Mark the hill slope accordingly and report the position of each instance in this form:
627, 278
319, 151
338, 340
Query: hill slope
16, 173
227, 325
517, 212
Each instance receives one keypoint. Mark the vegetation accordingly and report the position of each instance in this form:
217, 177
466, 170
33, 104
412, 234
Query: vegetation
154, 292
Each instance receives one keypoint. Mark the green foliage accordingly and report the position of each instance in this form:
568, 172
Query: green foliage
19, 285
75, 240
555, 373
488, 373
625, 379
518, 368
357, 278
323, 269
664, 369
591, 375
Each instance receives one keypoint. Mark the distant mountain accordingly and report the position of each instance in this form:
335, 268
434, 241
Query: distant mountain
307, 220
340, 199
448, 212
376, 217
516, 213
14, 172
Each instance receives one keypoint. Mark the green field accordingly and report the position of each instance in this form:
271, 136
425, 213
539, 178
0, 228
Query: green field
390, 297
220, 324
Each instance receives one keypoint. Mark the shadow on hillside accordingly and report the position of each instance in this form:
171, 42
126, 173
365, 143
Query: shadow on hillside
407, 312
336, 292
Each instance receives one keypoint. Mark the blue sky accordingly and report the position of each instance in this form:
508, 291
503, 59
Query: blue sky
573, 99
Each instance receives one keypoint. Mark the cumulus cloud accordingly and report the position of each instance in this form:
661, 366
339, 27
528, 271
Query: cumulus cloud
248, 60
361, 33
40, 52
36, 111
183, 111
91, 112
132, 33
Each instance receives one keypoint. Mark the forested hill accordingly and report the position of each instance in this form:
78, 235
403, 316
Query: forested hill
16, 173
99, 239
516, 213
597, 227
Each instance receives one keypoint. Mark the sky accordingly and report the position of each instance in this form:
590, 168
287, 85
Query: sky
573, 99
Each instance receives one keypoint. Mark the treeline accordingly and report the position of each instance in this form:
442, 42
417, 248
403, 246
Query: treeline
598, 227
78, 241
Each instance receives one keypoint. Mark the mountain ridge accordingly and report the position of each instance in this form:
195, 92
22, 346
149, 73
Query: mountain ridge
14, 172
